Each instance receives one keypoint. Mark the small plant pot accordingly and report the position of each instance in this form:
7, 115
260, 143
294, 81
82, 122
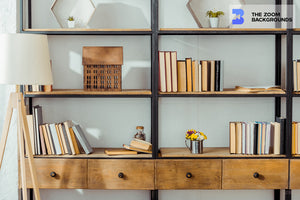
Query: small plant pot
71, 24
214, 22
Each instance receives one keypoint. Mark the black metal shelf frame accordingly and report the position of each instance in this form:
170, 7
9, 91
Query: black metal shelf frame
154, 33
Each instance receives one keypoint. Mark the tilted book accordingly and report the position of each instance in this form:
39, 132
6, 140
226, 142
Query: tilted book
82, 139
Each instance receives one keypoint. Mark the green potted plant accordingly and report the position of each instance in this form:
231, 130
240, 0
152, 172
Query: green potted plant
71, 22
214, 17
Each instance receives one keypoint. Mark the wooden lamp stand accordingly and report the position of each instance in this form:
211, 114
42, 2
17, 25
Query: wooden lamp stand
16, 101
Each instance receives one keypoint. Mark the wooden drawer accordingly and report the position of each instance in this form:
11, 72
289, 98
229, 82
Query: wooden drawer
255, 174
188, 174
295, 174
121, 174
69, 173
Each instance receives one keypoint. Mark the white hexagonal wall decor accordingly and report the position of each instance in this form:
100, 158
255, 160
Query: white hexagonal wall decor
198, 9
81, 10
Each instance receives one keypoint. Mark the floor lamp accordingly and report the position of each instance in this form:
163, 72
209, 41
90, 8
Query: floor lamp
24, 60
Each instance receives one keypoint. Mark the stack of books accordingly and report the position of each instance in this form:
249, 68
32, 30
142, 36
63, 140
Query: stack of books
56, 138
257, 138
189, 75
35, 88
139, 146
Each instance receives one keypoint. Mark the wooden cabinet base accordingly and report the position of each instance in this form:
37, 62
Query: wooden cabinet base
59, 173
121, 174
188, 174
255, 174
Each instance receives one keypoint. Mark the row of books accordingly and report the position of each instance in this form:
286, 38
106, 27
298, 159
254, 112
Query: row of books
296, 74
56, 138
189, 75
257, 138
295, 138
35, 88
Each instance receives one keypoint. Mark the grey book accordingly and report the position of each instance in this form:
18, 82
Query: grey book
82, 139
38, 120
55, 139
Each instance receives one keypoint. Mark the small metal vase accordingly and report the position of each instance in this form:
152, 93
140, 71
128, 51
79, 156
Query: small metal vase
195, 146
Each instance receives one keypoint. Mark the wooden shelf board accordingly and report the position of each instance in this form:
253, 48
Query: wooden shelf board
85, 29
226, 91
217, 152
224, 29
83, 92
98, 153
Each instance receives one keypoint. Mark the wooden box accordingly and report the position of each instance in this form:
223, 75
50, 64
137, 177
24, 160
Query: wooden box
102, 68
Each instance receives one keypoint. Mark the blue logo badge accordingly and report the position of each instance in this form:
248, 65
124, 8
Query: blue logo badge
238, 19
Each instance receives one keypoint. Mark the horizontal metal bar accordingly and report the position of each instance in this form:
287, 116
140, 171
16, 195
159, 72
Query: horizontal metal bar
85, 96
222, 95
110, 33
229, 32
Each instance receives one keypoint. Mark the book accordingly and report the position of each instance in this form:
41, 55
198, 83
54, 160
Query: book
298, 138
217, 75
168, 71
47, 143
141, 144
199, 77
189, 78
53, 151
38, 120
298, 75
55, 139
255, 138
282, 122
243, 137
59, 139
238, 130
221, 75
73, 138
208, 75
162, 72
268, 138
67, 126
174, 70
82, 139
259, 138
293, 138
195, 75
232, 137
247, 133
43, 145
212, 75
204, 75
63, 139
295, 81
251, 136
276, 127
69, 151
181, 75
31, 132
136, 149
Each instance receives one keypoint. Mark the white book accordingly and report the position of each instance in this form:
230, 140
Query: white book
268, 138
55, 139
251, 133
162, 72
196, 75
276, 126
243, 137
248, 144
200, 76
295, 75
168, 71
174, 70
222, 76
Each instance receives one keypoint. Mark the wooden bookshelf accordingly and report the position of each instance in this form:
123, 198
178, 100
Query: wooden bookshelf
98, 153
81, 92
211, 152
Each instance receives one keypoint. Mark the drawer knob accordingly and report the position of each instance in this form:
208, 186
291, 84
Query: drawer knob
121, 175
189, 175
52, 174
256, 175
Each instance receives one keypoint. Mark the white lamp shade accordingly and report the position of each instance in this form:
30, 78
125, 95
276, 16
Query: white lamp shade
24, 59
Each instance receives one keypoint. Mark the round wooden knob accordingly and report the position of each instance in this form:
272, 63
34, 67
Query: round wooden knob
52, 174
256, 175
121, 175
189, 175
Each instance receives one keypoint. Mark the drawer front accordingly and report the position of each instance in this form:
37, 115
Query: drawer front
121, 174
68, 173
255, 174
188, 174
294, 174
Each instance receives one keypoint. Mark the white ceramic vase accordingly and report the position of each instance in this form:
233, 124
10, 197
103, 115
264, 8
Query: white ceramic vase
214, 22
71, 24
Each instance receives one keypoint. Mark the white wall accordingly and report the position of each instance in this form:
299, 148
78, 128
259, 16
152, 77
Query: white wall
249, 61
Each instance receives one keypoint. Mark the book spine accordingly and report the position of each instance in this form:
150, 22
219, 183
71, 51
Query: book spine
255, 138
218, 74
